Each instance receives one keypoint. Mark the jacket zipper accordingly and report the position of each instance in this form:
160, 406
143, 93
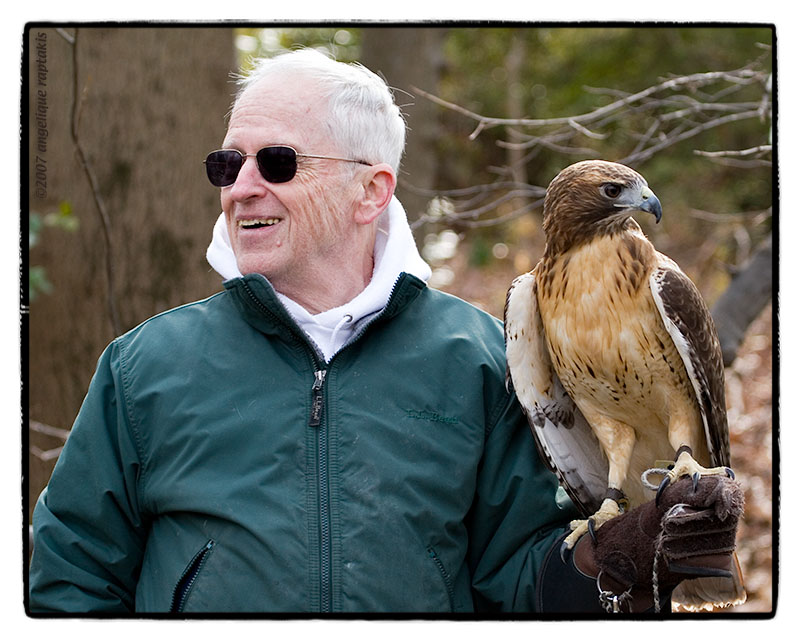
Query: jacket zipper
448, 583
315, 421
317, 398
185, 583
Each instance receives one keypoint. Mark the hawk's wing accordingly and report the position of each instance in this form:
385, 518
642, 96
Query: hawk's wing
564, 438
692, 329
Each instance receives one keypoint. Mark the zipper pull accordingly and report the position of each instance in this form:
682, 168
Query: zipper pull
317, 399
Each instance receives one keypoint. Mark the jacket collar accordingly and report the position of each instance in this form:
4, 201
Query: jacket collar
262, 308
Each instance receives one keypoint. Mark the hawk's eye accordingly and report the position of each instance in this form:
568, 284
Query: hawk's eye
612, 190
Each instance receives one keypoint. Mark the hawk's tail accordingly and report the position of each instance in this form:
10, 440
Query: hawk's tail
711, 593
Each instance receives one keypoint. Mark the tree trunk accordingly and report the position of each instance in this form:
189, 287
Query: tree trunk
151, 104
746, 297
405, 58
515, 109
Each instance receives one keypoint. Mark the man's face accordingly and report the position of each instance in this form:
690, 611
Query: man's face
309, 218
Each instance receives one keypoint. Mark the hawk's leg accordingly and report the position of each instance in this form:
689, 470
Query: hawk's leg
613, 504
617, 440
685, 464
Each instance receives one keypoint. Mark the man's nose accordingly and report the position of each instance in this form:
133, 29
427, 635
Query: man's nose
249, 182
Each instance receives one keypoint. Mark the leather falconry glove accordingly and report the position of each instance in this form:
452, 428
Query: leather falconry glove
690, 532
638, 558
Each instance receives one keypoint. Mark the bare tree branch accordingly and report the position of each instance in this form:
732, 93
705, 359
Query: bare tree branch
46, 429
50, 431
733, 158
756, 217
756, 150
667, 113
105, 220
649, 152
741, 77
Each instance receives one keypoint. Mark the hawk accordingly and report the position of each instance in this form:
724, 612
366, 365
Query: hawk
614, 357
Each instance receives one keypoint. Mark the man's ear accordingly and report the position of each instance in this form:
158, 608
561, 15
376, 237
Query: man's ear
378, 186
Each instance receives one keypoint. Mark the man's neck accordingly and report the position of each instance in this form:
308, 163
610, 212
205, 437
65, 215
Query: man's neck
337, 278
329, 289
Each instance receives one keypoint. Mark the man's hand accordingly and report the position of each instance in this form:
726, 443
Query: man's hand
641, 556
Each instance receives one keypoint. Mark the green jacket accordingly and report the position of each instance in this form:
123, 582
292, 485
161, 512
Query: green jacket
219, 465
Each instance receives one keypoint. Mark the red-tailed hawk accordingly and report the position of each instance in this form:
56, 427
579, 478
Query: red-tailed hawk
614, 356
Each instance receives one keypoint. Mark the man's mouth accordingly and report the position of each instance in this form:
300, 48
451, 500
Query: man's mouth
258, 223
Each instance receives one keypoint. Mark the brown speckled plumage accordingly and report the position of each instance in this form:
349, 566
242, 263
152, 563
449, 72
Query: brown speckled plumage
626, 354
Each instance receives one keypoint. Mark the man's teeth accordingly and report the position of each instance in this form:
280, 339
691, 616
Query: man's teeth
248, 224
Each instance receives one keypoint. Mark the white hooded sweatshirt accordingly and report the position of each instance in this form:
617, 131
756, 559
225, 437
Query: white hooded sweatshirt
395, 253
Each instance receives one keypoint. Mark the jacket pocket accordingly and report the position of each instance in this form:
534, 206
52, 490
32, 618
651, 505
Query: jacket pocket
189, 576
445, 576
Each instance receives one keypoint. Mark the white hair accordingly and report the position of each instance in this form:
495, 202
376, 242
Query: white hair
364, 119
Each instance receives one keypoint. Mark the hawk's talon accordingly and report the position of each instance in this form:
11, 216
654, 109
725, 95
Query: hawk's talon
662, 487
685, 465
563, 552
608, 510
590, 526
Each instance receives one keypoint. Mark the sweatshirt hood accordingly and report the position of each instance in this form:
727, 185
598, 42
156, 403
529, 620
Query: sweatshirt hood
395, 253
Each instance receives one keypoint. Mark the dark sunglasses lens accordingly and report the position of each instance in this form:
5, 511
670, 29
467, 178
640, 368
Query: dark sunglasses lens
222, 167
277, 163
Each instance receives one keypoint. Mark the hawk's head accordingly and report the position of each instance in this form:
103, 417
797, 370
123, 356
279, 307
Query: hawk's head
594, 197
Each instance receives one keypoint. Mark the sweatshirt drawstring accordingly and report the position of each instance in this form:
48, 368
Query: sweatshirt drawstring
332, 344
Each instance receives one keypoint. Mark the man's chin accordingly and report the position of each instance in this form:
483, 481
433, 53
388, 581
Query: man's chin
249, 266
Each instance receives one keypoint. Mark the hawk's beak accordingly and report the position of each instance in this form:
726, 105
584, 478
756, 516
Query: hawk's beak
634, 199
650, 203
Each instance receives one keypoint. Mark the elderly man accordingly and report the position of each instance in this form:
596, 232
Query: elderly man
326, 434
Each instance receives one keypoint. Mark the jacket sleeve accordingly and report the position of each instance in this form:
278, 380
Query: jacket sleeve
88, 534
516, 523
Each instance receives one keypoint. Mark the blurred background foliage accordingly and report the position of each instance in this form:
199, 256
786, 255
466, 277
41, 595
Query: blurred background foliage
63, 219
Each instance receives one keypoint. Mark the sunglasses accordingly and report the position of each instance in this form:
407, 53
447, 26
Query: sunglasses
276, 164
